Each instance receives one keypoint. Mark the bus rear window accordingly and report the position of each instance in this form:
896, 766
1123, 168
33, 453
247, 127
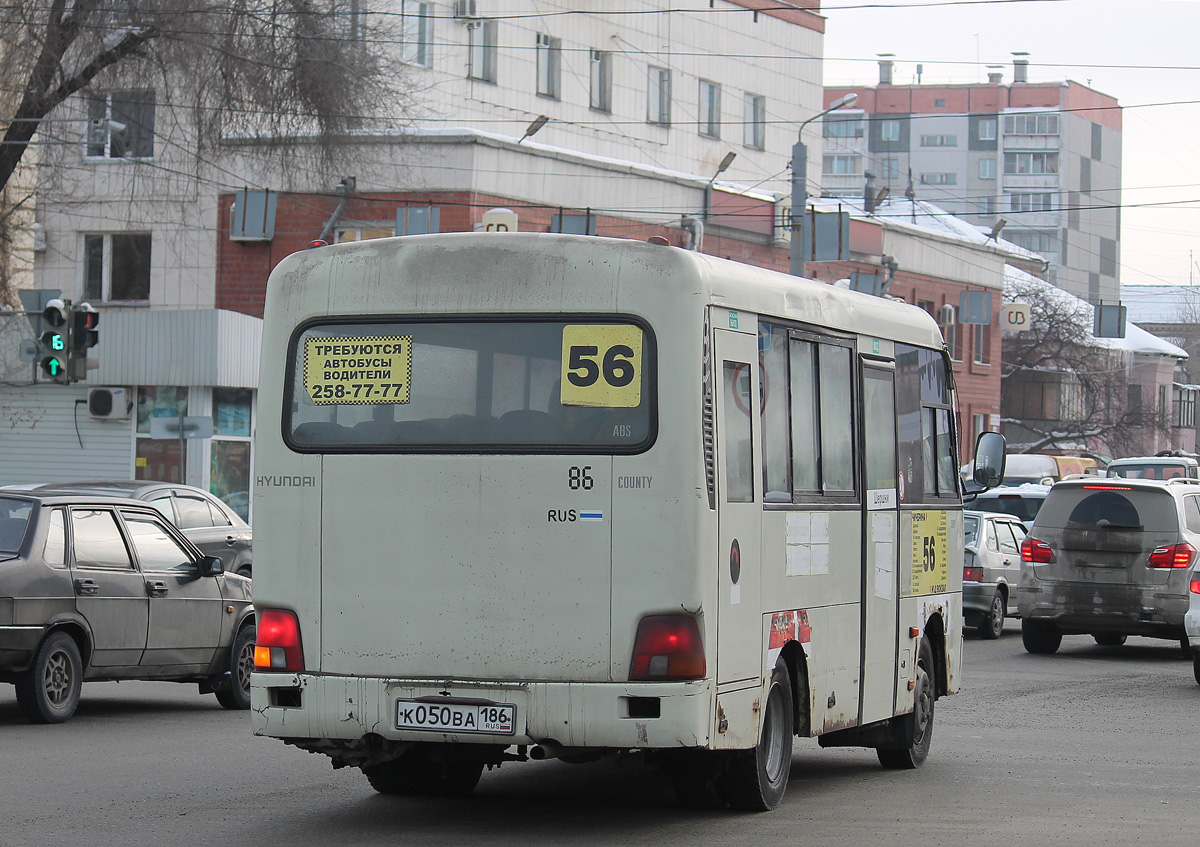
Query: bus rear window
491, 386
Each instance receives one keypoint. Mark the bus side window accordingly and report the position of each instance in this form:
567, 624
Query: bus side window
739, 458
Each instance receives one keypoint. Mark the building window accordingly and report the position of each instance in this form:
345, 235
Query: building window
601, 86
710, 109
160, 458
121, 125
1030, 202
842, 128
987, 168
985, 205
987, 129
549, 64
939, 179
482, 64
574, 223
754, 135
1185, 407
889, 168
229, 464
658, 97
979, 341
939, 140
1031, 163
1038, 242
116, 267
841, 164
1042, 124
947, 318
889, 130
416, 32
362, 233
939, 103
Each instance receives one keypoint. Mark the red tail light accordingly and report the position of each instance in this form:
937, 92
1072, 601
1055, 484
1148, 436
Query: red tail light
1173, 556
668, 647
277, 642
1195, 586
972, 574
1036, 552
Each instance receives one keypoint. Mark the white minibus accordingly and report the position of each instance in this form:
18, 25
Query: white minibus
528, 496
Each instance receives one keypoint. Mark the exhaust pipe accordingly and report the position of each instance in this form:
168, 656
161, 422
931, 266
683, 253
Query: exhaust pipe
547, 749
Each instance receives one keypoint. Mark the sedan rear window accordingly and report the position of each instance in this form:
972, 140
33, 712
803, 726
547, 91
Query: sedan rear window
14, 515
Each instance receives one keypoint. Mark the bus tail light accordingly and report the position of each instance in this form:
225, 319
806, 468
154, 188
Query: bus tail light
1173, 556
277, 642
1036, 552
668, 647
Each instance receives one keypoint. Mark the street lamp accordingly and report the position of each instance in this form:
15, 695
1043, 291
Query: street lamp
800, 184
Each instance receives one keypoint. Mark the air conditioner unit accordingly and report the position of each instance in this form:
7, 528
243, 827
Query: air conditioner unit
465, 9
109, 404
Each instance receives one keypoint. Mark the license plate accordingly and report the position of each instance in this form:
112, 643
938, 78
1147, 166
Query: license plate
494, 719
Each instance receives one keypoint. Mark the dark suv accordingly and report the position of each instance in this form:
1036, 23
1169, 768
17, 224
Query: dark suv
1109, 558
106, 588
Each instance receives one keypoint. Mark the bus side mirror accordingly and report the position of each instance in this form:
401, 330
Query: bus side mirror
989, 459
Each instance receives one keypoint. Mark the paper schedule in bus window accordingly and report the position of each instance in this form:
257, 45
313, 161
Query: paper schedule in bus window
364, 370
601, 365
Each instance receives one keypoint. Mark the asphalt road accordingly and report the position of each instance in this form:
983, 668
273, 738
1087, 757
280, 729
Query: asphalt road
1092, 746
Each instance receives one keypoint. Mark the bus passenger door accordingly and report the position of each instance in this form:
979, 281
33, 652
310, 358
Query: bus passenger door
739, 614
880, 541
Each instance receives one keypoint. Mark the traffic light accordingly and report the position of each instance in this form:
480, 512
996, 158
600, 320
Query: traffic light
84, 332
56, 341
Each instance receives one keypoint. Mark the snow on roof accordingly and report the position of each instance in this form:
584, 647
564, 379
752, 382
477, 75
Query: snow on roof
1136, 339
923, 217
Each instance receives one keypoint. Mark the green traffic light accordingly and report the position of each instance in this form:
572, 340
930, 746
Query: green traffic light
57, 343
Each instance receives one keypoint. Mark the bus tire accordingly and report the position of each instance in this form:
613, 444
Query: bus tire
758, 777
695, 777
423, 771
1039, 637
920, 721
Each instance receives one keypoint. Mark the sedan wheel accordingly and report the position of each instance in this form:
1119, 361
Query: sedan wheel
49, 691
993, 624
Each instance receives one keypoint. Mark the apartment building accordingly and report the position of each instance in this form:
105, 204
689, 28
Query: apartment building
1038, 161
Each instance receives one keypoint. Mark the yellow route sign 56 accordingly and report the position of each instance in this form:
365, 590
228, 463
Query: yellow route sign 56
369, 370
601, 365
930, 553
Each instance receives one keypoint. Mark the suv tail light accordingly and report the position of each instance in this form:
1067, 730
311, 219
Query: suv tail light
277, 642
667, 647
972, 574
1036, 552
1173, 556
1195, 586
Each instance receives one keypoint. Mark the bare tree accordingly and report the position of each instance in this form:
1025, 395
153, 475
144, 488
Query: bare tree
1062, 386
272, 67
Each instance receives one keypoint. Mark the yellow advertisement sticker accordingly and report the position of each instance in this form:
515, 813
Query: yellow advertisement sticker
362, 371
930, 553
601, 365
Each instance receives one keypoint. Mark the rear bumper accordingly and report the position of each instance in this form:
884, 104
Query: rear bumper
17, 644
592, 715
977, 598
1084, 608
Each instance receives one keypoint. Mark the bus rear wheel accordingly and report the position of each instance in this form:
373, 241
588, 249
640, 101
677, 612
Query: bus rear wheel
920, 723
425, 771
758, 777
